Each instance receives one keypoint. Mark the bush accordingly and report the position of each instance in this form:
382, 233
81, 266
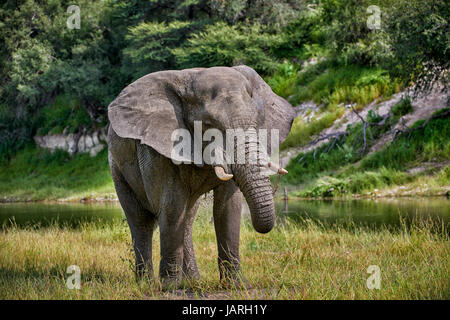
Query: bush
150, 46
64, 113
224, 45
301, 132
331, 85
412, 42
403, 107
426, 144
283, 81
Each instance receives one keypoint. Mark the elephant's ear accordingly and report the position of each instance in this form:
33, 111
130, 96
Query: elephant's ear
276, 112
150, 110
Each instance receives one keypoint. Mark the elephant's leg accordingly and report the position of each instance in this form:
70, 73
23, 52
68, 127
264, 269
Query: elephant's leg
190, 269
227, 219
172, 230
141, 223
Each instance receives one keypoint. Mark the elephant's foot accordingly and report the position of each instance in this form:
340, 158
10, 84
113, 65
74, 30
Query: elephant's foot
170, 283
143, 273
190, 270
183, 280
231, 276
191, 276
170, 272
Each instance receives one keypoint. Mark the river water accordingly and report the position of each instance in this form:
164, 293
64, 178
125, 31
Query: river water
373, 214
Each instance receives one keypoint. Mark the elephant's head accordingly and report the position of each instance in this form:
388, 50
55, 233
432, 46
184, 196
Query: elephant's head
154, 106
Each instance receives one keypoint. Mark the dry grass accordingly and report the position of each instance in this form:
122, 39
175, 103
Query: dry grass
291, 262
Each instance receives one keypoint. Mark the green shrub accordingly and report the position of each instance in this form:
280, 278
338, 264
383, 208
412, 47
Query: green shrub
282, 82
64, 113
403, 107
224, 45
150, 46
426, 144
333, 85
356, 182
301, 131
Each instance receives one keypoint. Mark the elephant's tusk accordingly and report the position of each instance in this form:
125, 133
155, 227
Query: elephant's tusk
221, 174
272, 166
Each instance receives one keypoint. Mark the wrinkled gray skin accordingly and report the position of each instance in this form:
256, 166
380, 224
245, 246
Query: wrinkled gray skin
153, 191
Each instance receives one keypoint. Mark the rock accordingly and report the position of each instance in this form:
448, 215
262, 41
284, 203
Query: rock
96, 149
91, 143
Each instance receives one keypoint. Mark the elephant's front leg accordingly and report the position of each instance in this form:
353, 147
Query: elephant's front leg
172, 224
190, 269
227, 220
172, 237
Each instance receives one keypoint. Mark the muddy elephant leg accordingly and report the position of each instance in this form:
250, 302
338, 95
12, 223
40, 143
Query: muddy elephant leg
141, 223
190, 269
227, 219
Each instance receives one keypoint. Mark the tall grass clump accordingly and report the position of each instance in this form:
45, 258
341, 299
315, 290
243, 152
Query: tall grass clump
333, 85
301, 131
430, 143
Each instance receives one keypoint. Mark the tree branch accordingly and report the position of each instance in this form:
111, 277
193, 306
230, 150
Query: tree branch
410, 130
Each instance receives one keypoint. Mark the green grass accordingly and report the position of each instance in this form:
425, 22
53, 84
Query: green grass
358, 182
38, 174
301, 131
330, 86
306, 261
283, 81
64, 113
431, 143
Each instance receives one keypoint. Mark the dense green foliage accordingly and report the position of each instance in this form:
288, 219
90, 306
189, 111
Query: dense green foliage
43, 62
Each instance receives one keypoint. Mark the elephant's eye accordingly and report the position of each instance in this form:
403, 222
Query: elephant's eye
210, 123
214, 92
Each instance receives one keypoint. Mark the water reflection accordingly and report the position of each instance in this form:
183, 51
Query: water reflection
374, 214
69, 215
392, 213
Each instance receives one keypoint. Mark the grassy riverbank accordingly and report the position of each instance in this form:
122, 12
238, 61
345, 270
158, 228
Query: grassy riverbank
293, 261
416, 163
35, 174
415, 160
38, 175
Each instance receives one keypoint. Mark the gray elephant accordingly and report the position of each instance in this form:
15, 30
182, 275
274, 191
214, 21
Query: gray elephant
153, 189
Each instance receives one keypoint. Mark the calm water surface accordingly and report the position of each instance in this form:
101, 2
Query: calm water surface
392, 213
69, 215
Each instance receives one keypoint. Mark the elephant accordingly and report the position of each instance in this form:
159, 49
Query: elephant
154, 190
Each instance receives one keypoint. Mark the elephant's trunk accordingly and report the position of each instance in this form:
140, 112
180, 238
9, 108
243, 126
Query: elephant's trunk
258, 192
